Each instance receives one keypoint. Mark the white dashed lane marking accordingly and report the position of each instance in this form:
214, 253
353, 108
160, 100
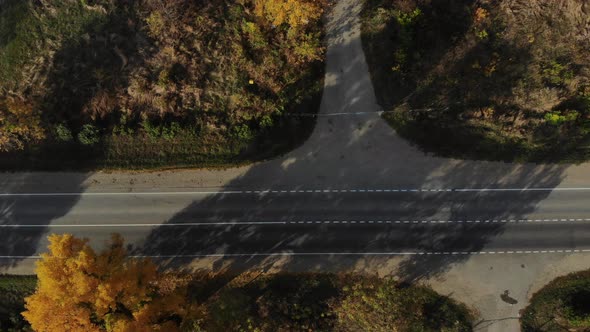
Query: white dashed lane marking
400, 253
293, 191
306, 222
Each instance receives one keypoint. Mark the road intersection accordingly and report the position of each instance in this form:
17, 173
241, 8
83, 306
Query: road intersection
354, 197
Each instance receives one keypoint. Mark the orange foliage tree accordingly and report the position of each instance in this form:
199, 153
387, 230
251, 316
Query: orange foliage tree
295, 13
19, 124
80, 290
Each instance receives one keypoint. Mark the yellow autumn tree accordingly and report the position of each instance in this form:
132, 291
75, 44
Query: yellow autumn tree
81, 290
295, 13
19, 124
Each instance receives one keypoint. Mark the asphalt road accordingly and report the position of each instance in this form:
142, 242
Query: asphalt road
318, 223
505, 240
473, 245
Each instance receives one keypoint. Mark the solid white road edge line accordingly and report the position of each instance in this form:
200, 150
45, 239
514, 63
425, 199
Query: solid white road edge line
306, 222
293, 191
409, 253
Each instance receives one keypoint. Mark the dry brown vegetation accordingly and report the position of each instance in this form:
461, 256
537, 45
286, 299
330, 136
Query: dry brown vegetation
114, 81
85, 289
286, 302
483, 79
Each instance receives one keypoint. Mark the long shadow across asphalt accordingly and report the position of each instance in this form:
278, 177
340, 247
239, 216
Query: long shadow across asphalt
18, 244
70, 88
352, 152
345, 152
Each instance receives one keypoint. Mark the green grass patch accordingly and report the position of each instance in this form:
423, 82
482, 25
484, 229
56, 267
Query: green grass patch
467, 80
562, 305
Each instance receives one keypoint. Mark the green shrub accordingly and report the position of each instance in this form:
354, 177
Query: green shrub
242, 132
171, 131
555, 73
559, 118
407, 22
63, 133
562, 305
408, 19
266, 122
123, 127
385, 305
151, 130
89, 135
168, 132
482, 34
577, 307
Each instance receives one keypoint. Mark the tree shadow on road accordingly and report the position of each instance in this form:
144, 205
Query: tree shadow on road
16, 244
72, 82
356, 151
326, 243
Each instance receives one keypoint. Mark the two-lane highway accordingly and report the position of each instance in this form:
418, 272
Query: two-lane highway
305, 221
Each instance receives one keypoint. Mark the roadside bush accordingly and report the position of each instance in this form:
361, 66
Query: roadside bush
385, 305
164, 131
152, 131
328, 302
171, 131
63, 133
266, 122
243, 132
562, 305
89, 135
